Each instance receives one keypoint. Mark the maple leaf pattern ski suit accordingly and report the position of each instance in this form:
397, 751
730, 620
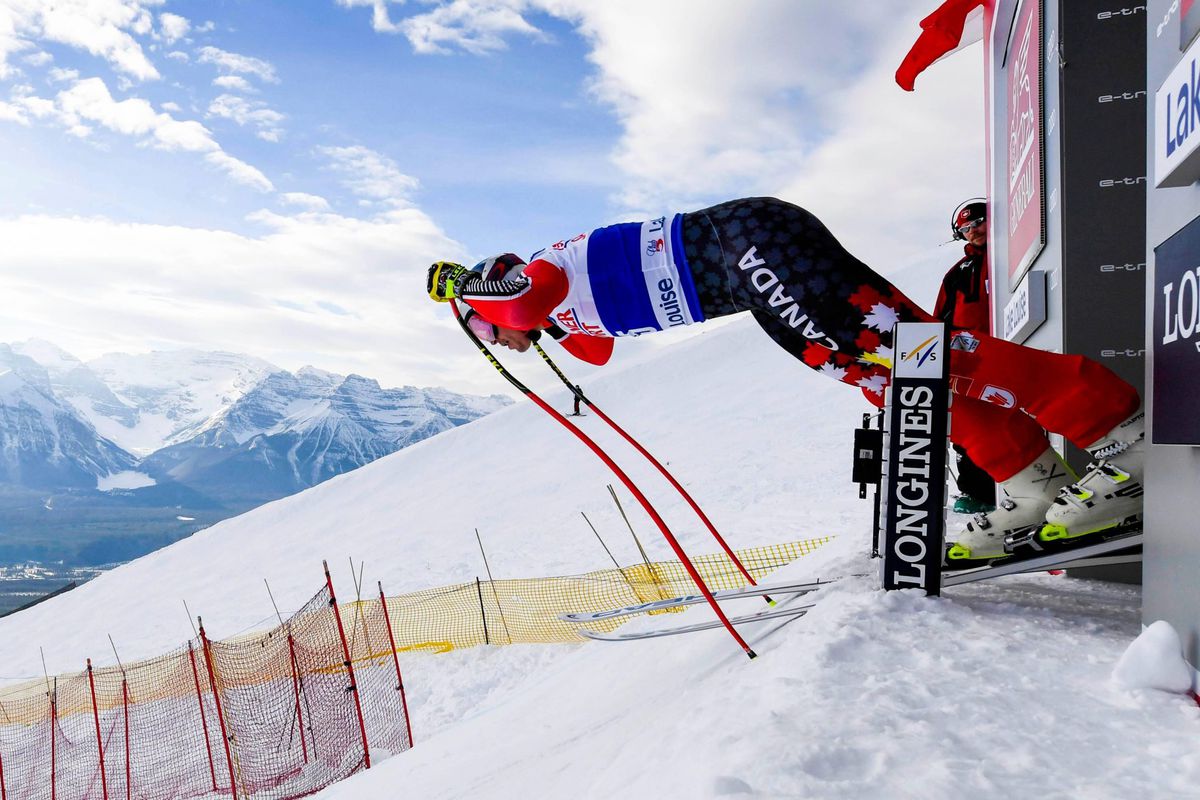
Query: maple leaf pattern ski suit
828, 309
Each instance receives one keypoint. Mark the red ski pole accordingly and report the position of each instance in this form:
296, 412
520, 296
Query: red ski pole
578, 392
629, 484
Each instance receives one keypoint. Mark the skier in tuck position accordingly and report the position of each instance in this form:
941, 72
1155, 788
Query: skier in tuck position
835, 314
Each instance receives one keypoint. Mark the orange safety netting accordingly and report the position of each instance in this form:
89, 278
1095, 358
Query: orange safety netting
273, 714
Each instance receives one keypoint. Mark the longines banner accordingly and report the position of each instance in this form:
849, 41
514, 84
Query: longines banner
1026, 214
1176, 337
917, 422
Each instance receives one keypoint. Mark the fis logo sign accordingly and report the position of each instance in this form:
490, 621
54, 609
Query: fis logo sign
655, 246
925, 351
919, 347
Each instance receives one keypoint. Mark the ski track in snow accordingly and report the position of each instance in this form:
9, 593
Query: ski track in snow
996, 690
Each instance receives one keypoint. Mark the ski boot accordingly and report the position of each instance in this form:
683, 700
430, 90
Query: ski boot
1018, 517
1108, 498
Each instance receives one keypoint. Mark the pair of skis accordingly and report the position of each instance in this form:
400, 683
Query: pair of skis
791, 590
1117, 546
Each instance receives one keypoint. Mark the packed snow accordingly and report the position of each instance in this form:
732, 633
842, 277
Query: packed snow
1000, 689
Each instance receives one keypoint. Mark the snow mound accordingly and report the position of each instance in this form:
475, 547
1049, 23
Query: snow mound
1155, 661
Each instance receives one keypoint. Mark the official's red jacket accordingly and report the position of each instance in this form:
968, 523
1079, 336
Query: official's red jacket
964, 300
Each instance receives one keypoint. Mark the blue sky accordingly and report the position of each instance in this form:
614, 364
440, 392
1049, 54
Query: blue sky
273, 177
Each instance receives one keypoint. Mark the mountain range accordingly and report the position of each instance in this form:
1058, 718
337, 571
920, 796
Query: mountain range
186, 435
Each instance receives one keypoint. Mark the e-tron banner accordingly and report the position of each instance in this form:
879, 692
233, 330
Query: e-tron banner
1103, 115
1176, 337
917, 423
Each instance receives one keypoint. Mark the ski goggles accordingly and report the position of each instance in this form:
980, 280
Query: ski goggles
963, 230
482, 328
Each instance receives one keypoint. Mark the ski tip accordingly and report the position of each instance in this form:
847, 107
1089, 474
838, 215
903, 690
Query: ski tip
753, 655
770, 602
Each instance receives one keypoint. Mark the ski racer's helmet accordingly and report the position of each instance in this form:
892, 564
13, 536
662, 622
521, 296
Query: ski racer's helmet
968, 213
505, 266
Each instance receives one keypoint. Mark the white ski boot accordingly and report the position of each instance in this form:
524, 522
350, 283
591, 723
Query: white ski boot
1109, 495
1019, 515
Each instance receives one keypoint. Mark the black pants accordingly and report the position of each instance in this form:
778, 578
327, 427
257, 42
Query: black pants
780, 263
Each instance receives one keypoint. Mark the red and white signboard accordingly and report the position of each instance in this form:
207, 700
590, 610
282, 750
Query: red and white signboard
1026, 228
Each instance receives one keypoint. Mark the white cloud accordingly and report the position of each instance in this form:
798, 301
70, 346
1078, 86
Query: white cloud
171, 106
233, 82
248, 112
477, 26
236, 63
13, 113
104, 28
180, 56
95, 285
379, 13
89, 101
39, 59
370, 175
59, 75
771, 97
173, 27
310, 202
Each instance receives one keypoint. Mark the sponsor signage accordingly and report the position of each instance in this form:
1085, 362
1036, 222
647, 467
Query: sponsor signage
1177, 123
1103, 183
917, 422
1025, 311
1176, 338
1026, 211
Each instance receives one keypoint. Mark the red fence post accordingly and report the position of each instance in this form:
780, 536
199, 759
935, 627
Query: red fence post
128, 756
53, 743
99, 738
212, 679
212, 769
396, 659
362, 725
296, 689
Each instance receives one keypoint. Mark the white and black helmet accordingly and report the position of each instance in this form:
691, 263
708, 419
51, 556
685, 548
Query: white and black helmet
505, 266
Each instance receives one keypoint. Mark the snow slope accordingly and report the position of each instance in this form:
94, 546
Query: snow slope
997, 690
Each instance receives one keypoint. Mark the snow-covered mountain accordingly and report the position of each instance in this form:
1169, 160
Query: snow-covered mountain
291, 432
173, 394
226, 432
45, 442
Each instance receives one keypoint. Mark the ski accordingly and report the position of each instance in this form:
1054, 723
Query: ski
1080, 555
692, 599
761, 616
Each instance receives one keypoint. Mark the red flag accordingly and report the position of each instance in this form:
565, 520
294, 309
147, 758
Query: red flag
953, 26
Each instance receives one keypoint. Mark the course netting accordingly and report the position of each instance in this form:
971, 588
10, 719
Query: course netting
283, 713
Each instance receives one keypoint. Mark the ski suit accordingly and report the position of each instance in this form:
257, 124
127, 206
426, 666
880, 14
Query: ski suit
817, 301
964, 301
